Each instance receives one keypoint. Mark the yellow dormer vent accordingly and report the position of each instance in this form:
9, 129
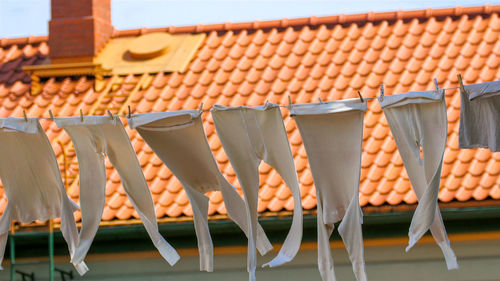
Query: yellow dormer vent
150, 45
149, 53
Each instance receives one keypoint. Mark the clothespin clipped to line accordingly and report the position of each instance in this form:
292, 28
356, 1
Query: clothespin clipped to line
129, 112
81, 115
51, 115
25, 116
320, 101
437, 85
110, 115
381, 92
289, 103
360, 96
201, 107
462, 88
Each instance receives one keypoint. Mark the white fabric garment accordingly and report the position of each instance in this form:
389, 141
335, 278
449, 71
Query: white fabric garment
250, 135
32, 181
480, 116
179, 140
418, 121
93, 139
332, 133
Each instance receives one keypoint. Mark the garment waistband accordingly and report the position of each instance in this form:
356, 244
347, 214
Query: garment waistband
29, 125
483, 90
87, 120
140, 119
268, 105
328, 107
412, 98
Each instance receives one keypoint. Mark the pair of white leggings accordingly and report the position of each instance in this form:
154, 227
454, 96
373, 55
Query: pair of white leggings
332, 133
418, 122
179, 140
480, 116
248, 136
32, 181
93, 139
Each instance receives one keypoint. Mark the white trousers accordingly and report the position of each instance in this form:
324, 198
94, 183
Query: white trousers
418, 122
250, 135
93, 139
480, 116
332, 134
32, 181
180, 142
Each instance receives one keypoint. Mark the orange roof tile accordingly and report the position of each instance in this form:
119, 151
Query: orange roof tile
249, 63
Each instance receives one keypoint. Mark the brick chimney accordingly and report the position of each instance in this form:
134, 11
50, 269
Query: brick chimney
78, 29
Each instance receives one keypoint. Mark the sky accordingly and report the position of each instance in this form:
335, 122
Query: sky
20, 18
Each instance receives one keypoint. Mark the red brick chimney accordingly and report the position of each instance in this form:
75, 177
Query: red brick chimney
78, 29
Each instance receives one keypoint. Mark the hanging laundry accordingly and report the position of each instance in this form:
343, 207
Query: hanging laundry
93, 139
250, 135
180, 142
419, 125
480, 116
332, 133
32, 181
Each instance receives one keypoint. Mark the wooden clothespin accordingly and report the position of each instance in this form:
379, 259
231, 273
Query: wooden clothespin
201, 107
25, 116
437, 85
381, 92
360, 96
81, 115
289, 102
51, 115
461, 82
129, 112
320, 101
110, 115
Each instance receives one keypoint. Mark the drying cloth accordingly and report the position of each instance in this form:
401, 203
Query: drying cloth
250, 135
32, 181
332, 133
93, 139
480, 116
179, 140
419, 125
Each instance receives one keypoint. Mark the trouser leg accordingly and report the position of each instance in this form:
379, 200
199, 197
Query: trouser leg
235, 207
199, 204
122, 155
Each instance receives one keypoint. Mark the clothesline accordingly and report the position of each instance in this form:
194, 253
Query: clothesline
204, 111
417, 120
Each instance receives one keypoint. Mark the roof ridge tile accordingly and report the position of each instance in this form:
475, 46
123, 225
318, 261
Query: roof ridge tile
343, 19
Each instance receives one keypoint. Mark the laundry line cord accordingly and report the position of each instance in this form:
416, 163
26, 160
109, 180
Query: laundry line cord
205, 110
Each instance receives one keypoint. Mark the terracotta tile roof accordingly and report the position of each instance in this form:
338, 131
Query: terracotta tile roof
307, 59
